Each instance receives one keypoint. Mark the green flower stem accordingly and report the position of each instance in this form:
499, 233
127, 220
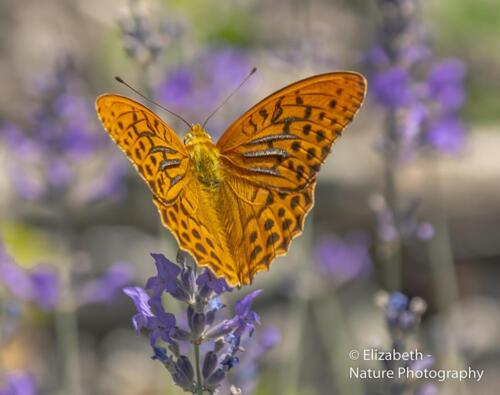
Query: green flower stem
199, 386
289, 375
334, 334
391, 254
289, 378
66, 327
444, 276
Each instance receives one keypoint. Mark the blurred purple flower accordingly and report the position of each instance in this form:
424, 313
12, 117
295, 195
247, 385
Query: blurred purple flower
425, 231
269, 337
409, 226
19, 383
402, 315
143, 42
447, 135
377, 57
14, 277
345, 258
105, 288
392, 87
39, 285
421, 96
178, 88
427, 389
195, 89
46, 286
445, 84
54, 150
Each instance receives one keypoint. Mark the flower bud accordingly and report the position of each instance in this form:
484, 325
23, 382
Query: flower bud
209, 364
204, 292
181, 381
219, 344
184, 364
160, 354
180, 293
189, 314
215, 378
179, 334
197, 324
188, 280
184, 373
210, 317
174, 348
235, 390
418, 305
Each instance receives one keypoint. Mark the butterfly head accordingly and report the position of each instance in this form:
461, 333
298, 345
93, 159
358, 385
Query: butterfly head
197, 135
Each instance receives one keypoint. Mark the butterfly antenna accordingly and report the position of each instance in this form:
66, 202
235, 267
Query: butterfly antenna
120, 80
229, 97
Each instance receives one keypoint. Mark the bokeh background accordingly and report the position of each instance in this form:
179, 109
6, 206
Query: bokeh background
408, 201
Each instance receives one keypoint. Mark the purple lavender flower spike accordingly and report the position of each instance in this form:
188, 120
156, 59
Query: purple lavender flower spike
407, 76
216, 342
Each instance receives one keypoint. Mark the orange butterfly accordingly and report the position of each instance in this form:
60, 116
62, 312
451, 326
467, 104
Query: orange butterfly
237, 204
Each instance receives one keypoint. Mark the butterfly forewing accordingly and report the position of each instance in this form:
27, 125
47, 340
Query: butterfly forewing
151, 145
283, 140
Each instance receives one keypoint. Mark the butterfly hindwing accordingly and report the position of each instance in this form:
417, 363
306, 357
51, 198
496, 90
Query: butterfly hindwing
150, 144
269, 220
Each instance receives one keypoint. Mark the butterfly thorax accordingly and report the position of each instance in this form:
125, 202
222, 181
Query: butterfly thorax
204, 156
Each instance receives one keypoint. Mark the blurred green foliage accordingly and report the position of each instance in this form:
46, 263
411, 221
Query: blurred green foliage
470, 30
219, 23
